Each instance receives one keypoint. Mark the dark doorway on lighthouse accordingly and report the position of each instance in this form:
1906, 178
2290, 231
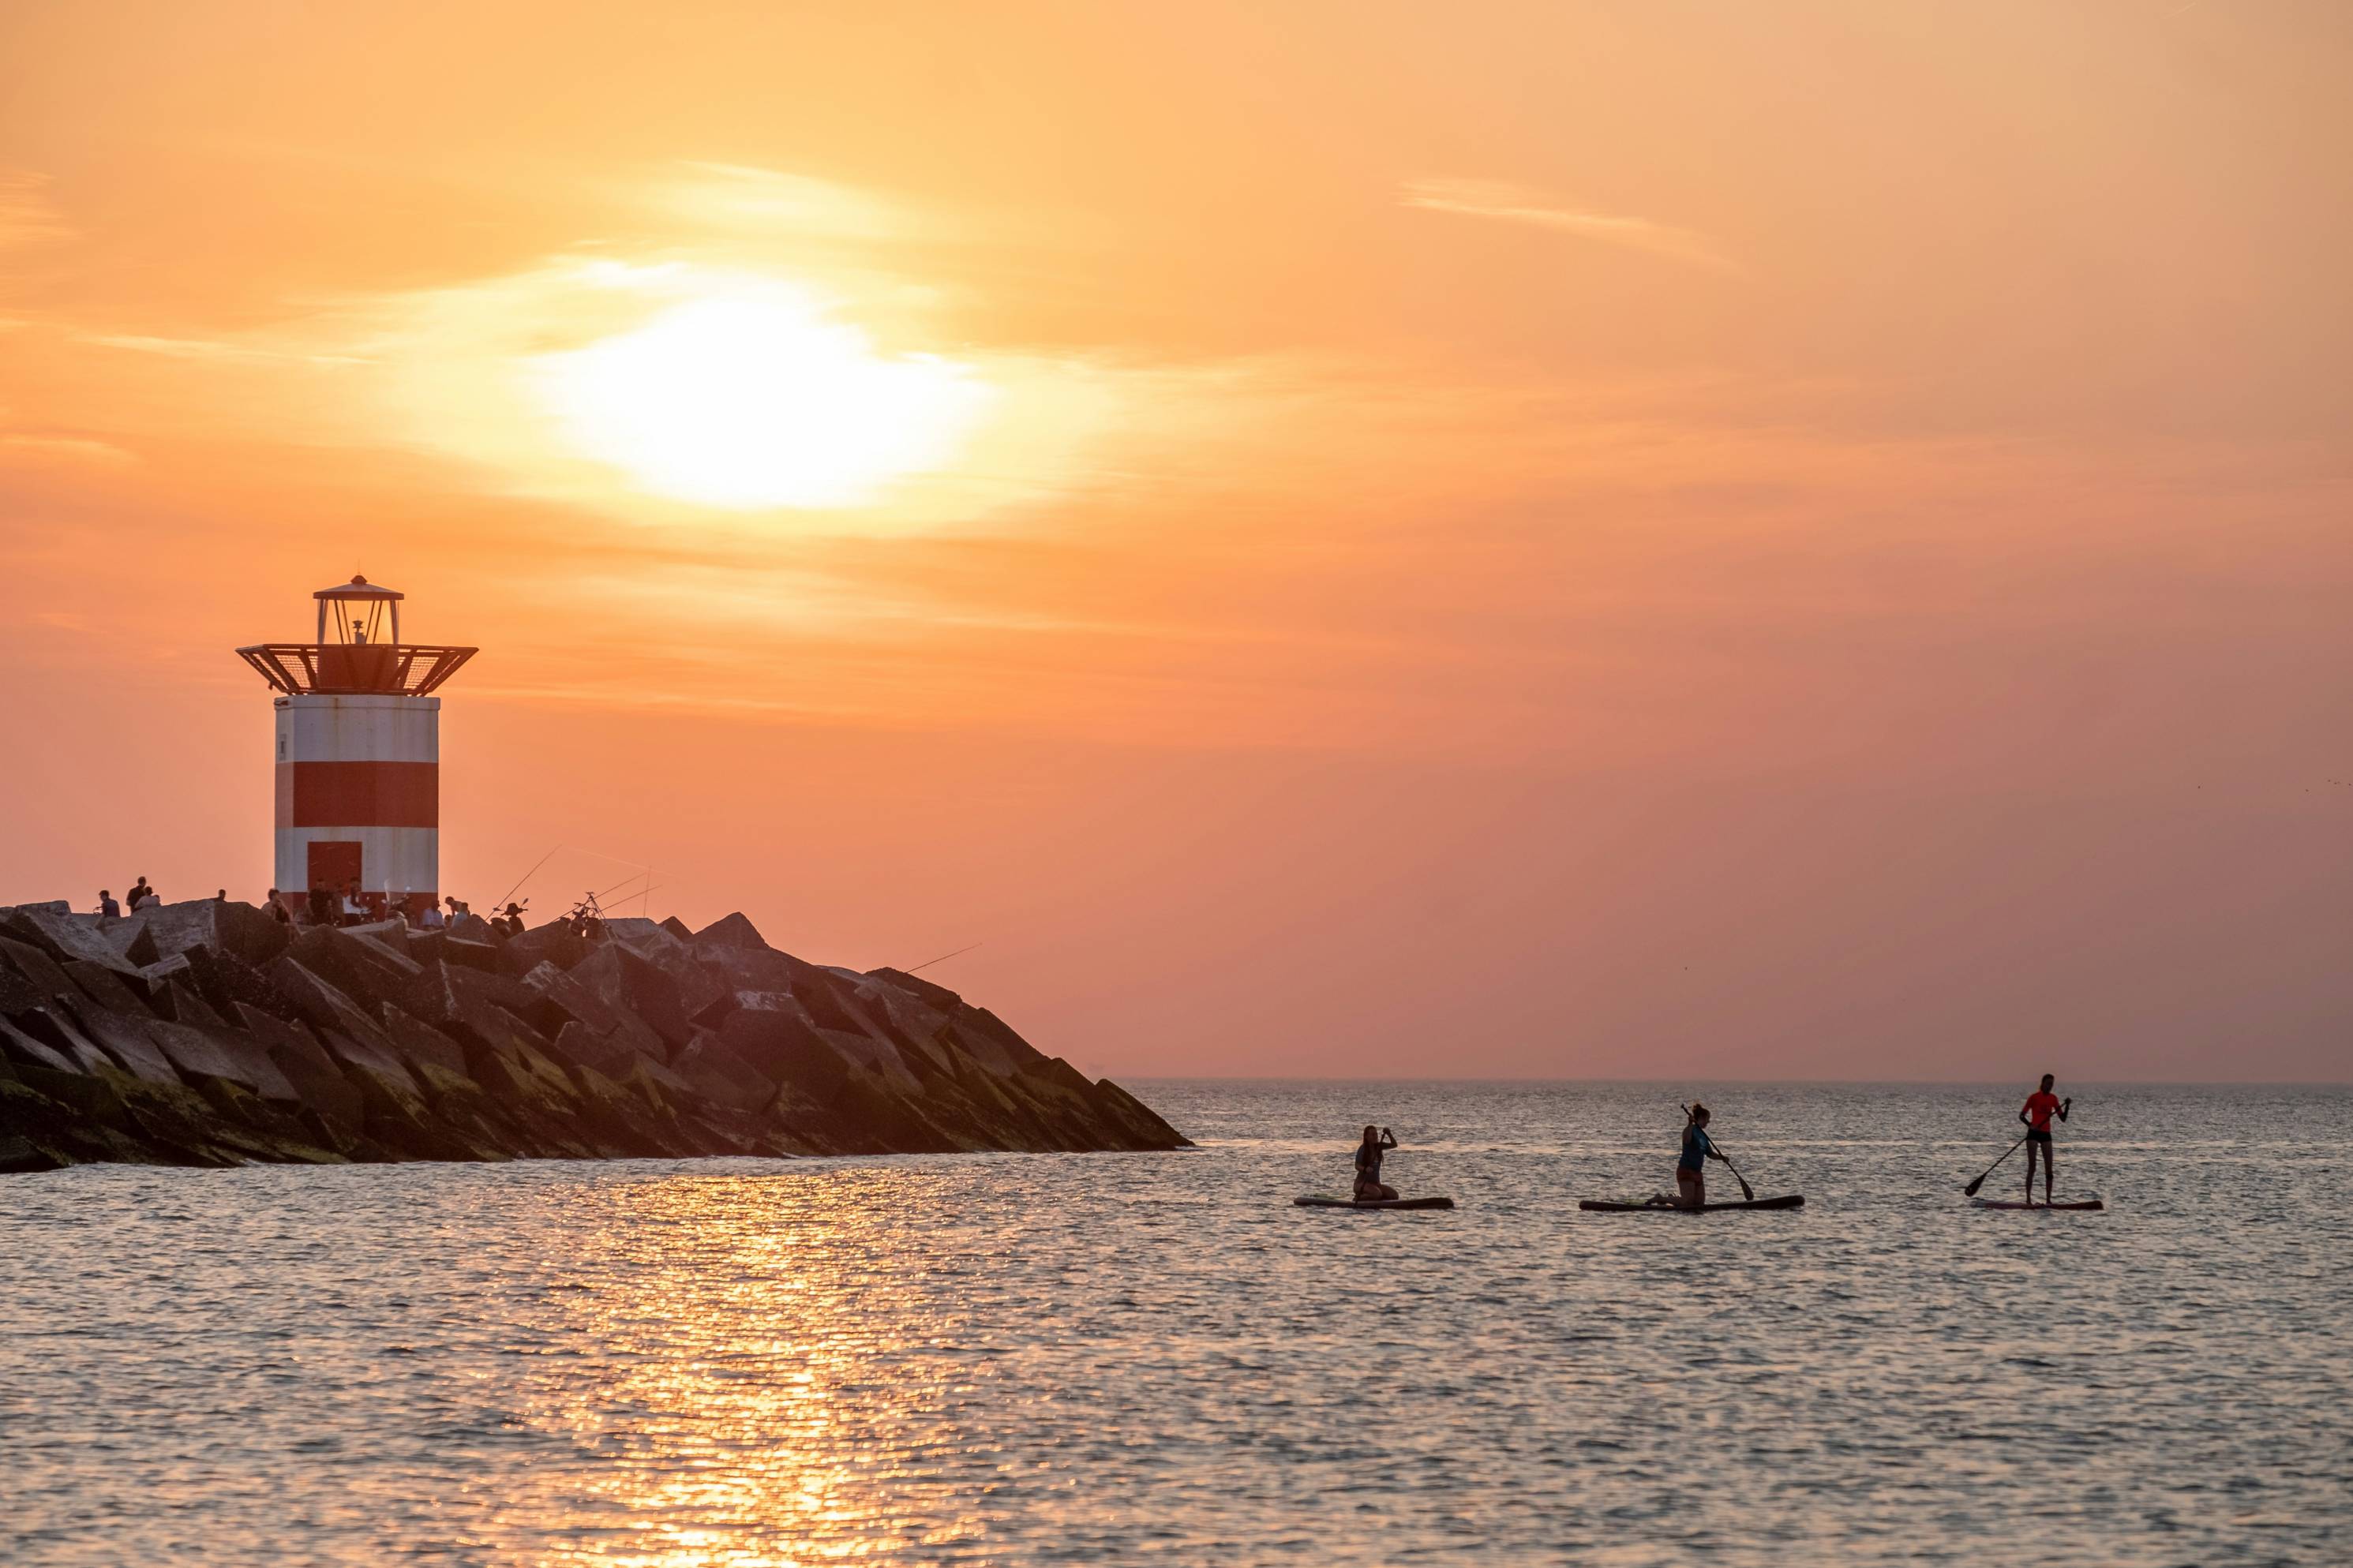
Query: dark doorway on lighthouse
334, 862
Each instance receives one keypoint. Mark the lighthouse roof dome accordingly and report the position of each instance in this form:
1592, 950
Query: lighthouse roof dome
357, 588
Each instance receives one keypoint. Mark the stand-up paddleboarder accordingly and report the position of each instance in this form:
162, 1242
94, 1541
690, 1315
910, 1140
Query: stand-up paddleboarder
2040, 1108
1690, 1170
1377, 1143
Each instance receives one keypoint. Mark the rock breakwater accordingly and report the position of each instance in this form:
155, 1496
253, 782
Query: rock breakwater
209, 1034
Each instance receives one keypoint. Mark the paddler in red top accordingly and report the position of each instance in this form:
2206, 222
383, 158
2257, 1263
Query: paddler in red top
2039, 1107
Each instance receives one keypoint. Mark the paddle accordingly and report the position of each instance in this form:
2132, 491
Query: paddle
1971, 1190
1747, 1193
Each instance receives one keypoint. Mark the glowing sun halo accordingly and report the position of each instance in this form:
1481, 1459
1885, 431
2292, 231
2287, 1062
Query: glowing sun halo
756, 400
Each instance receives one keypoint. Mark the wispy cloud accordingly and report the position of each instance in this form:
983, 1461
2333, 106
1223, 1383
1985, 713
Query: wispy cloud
738, 196
1507, 203
35, 446
211, 349
26, 214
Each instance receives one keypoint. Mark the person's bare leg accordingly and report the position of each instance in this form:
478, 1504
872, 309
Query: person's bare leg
2049, 1169
2031, 1150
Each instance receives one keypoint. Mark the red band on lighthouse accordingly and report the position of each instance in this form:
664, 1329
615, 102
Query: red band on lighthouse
359, 794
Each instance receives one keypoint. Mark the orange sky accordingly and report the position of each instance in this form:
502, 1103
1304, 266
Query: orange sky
1555, 539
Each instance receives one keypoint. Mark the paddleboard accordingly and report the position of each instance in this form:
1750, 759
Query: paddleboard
1793, 1201
1322, 1202
2093, 1204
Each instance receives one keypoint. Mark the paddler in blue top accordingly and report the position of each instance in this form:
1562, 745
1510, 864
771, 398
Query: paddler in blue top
1691, 1171
1369, 1186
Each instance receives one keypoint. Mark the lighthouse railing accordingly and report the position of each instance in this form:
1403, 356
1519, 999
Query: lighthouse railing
400, 670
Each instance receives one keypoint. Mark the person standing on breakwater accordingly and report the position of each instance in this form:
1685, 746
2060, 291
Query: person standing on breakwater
108, 909
431, 919
142, 895
278, 910
2039, 1107
1377, 1143
323, 905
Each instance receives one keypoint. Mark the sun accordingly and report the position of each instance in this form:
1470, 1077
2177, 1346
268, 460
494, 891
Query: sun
755, 398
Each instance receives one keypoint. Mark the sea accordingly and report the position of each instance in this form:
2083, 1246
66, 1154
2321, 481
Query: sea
1159, 1358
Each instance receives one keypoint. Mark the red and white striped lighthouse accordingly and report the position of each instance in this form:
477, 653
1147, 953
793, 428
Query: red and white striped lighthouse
359, 751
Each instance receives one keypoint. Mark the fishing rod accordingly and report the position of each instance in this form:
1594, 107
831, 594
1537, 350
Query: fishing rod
943, 958
526, 877
642, 871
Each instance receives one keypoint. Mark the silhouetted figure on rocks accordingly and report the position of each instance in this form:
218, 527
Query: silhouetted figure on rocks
108, 909
509, 920
432, 920
278, 910
354, 910
142, 895
1377, 1143
323, 905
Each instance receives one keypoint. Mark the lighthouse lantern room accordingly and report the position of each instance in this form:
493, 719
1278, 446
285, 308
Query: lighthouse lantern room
359, 751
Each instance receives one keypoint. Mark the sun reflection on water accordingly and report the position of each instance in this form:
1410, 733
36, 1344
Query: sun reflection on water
726, 1379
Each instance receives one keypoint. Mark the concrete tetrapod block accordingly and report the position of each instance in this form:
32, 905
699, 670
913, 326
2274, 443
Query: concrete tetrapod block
16, 992
784, 1044
365, 970
565, 996
224, 980
133, 940
415, 1041
308, 1067
217, 1053
647, 938
57, 1028
628, 982
701, 984
875, 1056
390, 935
730, 930
323, 1006
938, 998
482, 957
39, 972
721, 1076
181, 1003
107, 988
17, 1046
241, 931
127, 1039
373, 1070
578, 1045
556, 942
63, 937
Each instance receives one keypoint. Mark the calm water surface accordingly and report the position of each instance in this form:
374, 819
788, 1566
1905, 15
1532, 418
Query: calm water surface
1122, 1358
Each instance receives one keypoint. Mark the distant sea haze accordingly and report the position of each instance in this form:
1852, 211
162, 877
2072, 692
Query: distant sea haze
1112, 1357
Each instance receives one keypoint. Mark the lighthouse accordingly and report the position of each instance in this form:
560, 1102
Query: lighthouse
359, 751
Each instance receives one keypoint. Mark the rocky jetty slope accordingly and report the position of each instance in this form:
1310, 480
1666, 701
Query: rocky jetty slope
207, 1034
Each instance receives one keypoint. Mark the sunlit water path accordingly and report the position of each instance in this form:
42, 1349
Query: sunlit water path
1115, 1358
